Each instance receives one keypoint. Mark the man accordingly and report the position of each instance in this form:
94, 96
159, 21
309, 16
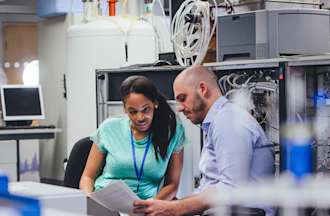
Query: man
235, 148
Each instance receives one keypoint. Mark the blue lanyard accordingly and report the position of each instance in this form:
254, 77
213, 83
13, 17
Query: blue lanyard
139, 174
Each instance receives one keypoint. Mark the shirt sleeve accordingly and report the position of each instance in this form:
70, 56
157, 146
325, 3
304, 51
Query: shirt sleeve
180, 138
99, 139
233, 151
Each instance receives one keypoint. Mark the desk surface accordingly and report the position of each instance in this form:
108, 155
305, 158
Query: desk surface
55, 212
60, 198
21, 134
41, 190
30, 131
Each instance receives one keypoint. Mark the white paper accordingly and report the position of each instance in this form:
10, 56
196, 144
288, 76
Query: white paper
116, 196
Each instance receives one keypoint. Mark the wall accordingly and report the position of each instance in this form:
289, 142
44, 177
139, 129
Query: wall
51, 49
16, 13
13, 18
51, 45
52, 57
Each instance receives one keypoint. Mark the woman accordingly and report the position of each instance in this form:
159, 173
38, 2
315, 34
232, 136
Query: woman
142, 149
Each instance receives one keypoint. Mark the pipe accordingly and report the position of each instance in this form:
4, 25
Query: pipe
112, 7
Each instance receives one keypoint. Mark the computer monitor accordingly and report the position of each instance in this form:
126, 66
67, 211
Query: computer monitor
21, 103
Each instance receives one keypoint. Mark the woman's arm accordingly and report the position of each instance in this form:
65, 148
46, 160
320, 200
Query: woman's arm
172, 177
93, 166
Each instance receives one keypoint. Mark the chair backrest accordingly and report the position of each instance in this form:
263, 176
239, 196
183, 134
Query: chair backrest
247, 211
76, 162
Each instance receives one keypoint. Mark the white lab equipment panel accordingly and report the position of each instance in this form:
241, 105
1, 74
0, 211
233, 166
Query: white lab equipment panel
107, 43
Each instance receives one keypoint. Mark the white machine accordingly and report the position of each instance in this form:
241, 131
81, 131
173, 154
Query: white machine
273, 33
52, 196
107, 43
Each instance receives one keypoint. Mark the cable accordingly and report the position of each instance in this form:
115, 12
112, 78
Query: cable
223, 85
228, 79
164, 15
71, 13
102, 98
249, 79
242, 95
235, 80
265, 118
299, 117
228, 93
161, 7
123, 11
159, 45
229, 6
151, 20
191, 32
271, 126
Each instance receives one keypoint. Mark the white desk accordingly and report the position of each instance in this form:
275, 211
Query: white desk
24, 134
55, 212
66, 199
52, 196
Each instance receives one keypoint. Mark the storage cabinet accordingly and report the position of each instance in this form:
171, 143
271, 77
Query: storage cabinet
8, 158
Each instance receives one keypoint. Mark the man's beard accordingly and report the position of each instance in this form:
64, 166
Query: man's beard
198, 109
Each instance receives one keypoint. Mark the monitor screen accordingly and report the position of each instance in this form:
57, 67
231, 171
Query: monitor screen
21, 102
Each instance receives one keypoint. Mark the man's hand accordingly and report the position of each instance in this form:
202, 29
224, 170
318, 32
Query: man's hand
156, 207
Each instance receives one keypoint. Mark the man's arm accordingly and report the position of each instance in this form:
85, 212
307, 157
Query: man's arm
191, 205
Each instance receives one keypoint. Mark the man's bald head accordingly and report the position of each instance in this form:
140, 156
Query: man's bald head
195, 74
195, 90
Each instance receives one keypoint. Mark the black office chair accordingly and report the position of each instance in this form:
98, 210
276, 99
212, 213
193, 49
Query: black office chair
238, 211
247, 211
76, 162
74, 169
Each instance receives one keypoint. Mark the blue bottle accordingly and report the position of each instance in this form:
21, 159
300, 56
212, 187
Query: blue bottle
3, 183
298, 141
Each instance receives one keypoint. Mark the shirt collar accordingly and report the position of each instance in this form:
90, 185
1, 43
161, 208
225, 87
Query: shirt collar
212, 111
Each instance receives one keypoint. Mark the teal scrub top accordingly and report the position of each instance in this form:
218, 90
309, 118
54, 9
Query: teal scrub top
113, 138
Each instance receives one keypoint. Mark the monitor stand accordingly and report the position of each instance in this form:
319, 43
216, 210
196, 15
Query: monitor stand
19, 123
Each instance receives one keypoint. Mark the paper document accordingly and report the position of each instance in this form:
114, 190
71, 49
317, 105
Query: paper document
116, 196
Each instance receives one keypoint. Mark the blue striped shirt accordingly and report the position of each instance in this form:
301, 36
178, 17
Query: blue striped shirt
235, 148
